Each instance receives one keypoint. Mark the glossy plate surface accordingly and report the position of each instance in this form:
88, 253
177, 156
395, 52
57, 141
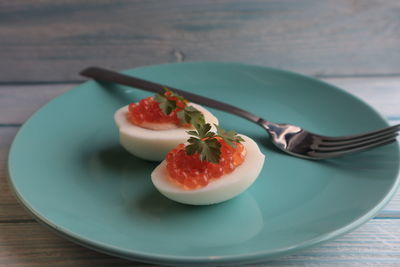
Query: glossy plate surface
68, 169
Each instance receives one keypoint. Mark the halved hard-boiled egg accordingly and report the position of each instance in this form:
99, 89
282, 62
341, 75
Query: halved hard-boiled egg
188, 179
146, 132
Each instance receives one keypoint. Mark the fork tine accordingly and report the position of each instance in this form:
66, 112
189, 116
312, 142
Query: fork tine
331, 154
357, 143
359, 137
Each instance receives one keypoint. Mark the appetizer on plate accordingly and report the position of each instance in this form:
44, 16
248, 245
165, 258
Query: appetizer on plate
153, 126
210, 168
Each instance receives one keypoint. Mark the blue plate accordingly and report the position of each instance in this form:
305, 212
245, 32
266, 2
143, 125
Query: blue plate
68, 169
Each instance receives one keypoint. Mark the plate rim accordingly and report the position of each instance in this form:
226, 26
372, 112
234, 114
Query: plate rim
255, 257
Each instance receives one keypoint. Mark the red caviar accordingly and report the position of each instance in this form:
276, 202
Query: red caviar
148, 110
192, 173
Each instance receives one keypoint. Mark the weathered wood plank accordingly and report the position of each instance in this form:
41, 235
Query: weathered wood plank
377, 243
17, 103
358, 37
10, 209
30, 244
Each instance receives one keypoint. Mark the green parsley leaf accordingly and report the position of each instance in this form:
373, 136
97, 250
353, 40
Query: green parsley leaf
209, 149
190, 115
193, 133
202, 129
230, 137
194, 115
166, 105
159, 98
204, 143
181, 114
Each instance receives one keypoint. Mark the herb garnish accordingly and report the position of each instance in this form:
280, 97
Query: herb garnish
169, 101
203, 141
206, 144
230, 137
190, 115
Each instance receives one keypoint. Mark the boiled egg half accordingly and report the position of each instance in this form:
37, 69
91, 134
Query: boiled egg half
218, 190
153, 141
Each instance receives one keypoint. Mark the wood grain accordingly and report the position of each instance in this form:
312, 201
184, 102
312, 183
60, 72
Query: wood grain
325, 38
10, 208
30, 244
17, 103
374, 244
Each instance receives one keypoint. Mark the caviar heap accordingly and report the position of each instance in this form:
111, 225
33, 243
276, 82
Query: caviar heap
191, 172
159, 109
206, 158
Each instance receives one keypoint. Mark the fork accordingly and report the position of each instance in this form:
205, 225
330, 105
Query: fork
289, 138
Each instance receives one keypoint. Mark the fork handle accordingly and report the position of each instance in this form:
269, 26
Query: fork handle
101, 74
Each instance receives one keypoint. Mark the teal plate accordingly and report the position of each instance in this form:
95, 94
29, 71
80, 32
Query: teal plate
68, 169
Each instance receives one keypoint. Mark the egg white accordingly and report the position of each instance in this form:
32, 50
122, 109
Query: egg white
224, 188
153, 144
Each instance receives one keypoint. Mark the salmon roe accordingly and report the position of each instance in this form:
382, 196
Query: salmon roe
148, 110
191, 173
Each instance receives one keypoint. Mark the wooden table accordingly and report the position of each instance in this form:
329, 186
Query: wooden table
44, 44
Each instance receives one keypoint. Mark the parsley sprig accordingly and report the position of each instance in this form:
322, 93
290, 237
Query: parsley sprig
205, 142
202, 141
169, 104
190, 115
186, 114
230, 137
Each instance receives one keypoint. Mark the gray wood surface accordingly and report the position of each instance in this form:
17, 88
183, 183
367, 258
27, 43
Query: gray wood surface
34, 245
10, 209
52, 40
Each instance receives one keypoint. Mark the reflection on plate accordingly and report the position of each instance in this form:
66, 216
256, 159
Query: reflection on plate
68, 169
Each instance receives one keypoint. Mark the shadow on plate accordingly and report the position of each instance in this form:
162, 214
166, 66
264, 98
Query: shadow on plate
117, 158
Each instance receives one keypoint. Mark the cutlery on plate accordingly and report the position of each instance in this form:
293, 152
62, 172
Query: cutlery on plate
289, 138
